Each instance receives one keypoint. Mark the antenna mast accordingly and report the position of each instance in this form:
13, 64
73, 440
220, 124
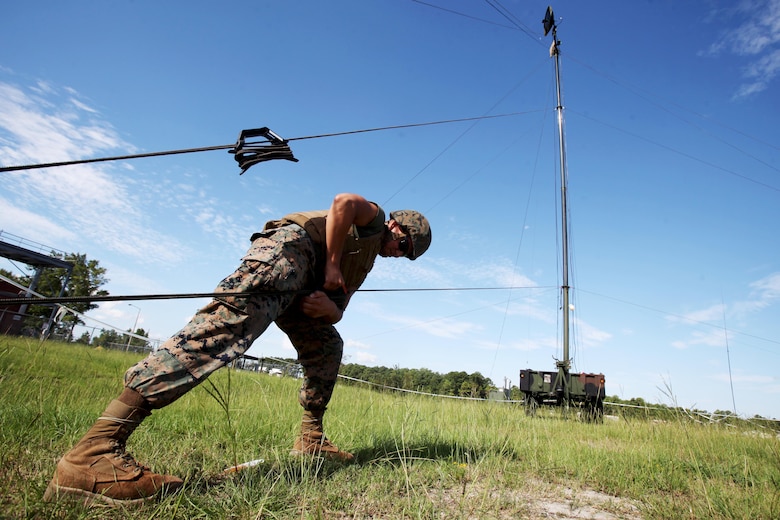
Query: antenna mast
550, 25
562, 388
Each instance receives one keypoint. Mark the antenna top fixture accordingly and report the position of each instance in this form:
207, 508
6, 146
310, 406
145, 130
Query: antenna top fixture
549, 20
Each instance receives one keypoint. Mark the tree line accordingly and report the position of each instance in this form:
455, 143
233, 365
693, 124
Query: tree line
459, 384
110, 338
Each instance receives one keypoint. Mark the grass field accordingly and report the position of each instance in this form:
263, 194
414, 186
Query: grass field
417, 456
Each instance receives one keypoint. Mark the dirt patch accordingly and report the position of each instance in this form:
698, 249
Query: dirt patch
535, 499
584, 504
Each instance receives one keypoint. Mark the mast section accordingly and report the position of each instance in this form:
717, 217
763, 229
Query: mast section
549, 24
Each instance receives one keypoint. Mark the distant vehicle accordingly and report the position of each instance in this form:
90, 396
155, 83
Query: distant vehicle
562, 389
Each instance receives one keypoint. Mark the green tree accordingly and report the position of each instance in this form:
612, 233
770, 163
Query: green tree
9, 274
136, 342
447, 387
84, 338
107, 338
427, 380
453, 382
86, 279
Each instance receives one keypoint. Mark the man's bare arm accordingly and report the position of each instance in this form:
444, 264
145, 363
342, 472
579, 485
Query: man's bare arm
345, 210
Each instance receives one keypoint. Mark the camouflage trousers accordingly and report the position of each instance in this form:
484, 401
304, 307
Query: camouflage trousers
279, 266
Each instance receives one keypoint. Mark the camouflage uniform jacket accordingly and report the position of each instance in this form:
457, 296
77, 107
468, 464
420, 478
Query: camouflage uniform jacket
357, 258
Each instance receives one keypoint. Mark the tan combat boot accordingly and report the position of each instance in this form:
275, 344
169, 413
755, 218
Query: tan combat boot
312, 440
99, 468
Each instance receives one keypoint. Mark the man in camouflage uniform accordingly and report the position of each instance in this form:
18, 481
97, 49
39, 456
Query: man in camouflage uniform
303, 269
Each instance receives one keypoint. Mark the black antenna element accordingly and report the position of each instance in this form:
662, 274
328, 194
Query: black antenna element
249, 154
549, 20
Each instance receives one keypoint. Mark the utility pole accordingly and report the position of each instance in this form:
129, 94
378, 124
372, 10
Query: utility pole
135, 324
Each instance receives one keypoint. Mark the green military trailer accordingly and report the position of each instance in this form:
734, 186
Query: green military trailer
561, 388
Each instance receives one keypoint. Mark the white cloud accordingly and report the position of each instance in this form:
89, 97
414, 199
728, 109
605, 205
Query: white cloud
365, 358
768, 288
438, 271
590, 336
755, 38
762, 294
39, 125
711, 313
445, 327
448, 328
112, 312
393, 270
82, 106
351, 344
36, 227
493, 272
531, 307
49, 130
712, 338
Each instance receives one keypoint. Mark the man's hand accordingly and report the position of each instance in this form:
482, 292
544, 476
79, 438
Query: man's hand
317, 305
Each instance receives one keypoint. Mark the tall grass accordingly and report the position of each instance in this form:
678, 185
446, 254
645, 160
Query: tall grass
417, 456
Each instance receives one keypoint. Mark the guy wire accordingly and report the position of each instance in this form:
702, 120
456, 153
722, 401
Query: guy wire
227, 146
240, 294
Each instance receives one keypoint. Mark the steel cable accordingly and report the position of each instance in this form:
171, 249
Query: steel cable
228, 146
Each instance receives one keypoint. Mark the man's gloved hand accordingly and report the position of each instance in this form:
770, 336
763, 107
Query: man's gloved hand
317, 305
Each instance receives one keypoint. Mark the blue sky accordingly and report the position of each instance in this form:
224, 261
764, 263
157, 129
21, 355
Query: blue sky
671, 117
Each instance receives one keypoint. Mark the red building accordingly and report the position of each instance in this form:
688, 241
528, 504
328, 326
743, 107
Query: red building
10, 319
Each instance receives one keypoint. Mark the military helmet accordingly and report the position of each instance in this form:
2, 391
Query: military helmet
416, 225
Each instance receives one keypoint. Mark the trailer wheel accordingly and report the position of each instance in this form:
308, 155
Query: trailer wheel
531, 405
594, 411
